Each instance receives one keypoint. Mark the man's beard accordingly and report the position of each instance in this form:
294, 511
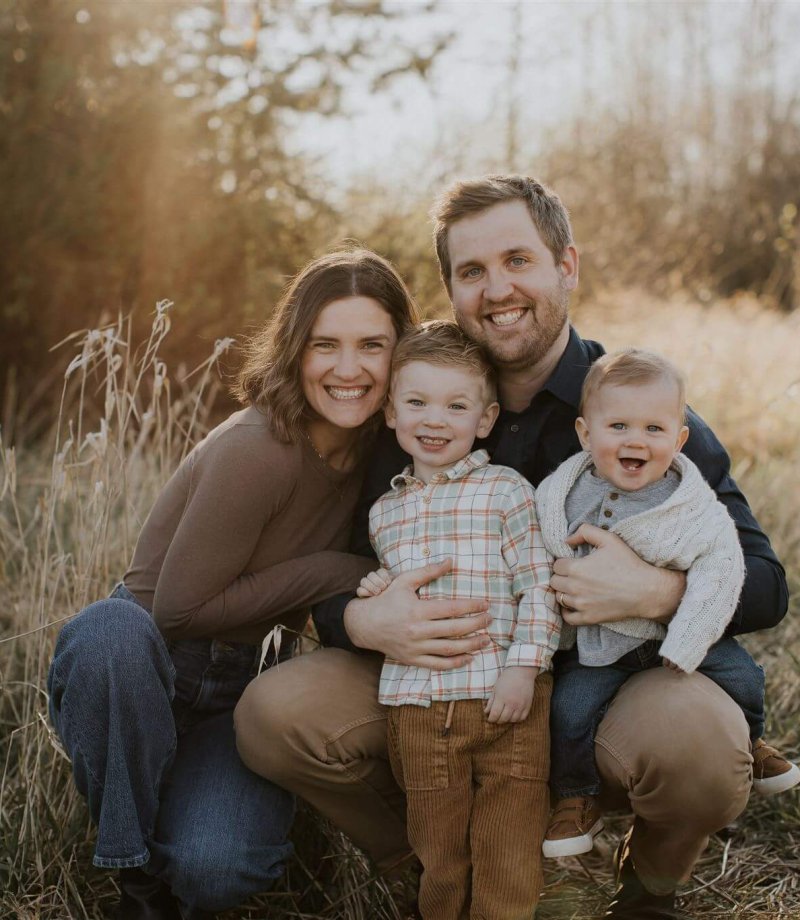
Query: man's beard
528, 347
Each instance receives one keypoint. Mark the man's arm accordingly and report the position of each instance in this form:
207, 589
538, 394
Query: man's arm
612, 583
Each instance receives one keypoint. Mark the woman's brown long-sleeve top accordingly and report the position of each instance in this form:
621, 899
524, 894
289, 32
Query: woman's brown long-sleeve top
247, 533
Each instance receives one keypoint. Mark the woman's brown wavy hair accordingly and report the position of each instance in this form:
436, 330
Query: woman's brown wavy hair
270, 377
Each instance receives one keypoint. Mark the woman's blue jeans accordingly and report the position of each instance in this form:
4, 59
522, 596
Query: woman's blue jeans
149, 730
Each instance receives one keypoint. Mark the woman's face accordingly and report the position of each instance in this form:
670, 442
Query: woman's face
345, 366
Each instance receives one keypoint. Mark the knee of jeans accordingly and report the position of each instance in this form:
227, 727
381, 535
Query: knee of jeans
110, 636
216, 878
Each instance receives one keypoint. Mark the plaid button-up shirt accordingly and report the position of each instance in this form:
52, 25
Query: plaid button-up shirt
482, 517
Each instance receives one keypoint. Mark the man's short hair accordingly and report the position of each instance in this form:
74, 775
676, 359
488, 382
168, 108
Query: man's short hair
442, 343
632, 367
472, 196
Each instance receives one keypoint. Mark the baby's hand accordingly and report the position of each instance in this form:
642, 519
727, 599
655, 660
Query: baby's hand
373, 584
512, 696
671, 665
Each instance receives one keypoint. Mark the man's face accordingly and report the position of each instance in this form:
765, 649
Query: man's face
508, 293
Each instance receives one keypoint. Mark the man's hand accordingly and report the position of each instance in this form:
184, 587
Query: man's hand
440, 634
613, 583
374, 583
512, 696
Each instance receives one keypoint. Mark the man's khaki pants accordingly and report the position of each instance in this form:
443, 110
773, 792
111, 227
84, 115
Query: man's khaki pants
672, 747
477, 805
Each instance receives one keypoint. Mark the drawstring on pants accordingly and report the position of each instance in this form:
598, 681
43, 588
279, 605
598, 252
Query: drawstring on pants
449, 718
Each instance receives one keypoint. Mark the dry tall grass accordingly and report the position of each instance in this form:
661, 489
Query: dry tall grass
67, 527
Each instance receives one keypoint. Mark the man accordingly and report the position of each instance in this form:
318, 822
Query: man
674, 748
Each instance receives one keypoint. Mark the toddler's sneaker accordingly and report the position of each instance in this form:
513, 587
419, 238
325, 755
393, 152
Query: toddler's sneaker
772, 772
573, 826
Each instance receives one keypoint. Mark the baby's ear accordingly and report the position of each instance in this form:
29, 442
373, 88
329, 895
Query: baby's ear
683, 434
582, 430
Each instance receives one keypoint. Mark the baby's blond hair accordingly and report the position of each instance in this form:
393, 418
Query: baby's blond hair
632, 366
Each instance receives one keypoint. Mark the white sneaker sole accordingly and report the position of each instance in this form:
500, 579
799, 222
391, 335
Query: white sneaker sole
572, 846
776, 784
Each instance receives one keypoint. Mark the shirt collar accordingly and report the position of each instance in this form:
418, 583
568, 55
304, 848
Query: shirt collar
566, 381
464, 467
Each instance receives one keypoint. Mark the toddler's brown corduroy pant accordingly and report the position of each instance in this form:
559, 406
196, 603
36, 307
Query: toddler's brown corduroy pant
314, 725
477, 805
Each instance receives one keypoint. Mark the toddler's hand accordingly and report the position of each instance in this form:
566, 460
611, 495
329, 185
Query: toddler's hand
373, 584
512, 696
671, 665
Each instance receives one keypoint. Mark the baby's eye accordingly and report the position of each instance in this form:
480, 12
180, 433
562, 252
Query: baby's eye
459, 407
618, 426
414, 402
654, 428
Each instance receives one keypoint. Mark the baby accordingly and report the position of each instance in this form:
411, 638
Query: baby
468, 745
632, 479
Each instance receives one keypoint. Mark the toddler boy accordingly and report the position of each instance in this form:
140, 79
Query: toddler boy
468, 745
632, 479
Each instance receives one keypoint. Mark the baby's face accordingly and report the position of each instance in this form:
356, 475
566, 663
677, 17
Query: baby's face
633, 432
437, 413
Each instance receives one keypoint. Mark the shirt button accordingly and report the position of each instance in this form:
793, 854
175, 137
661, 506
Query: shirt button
426, 551
613, 496
426, 499
604, 527
607, 513
514, 428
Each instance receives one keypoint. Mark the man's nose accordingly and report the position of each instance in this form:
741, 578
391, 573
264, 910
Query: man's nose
498, 287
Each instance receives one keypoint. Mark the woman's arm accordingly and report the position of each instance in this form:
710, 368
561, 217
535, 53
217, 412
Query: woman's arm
235, 492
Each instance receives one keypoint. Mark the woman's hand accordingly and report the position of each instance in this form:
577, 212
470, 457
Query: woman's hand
440, 634
613, 583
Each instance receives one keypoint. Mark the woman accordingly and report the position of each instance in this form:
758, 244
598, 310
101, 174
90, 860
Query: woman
248, 532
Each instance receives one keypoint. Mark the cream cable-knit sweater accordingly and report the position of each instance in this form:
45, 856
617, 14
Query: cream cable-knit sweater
691, 531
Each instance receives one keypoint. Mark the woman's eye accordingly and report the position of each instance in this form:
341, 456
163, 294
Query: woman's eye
373, 346
323, 346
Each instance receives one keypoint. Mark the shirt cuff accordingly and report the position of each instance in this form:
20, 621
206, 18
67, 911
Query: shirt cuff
528, 656
328, 619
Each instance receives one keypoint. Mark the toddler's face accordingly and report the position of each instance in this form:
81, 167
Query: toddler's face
633, 432
437, 413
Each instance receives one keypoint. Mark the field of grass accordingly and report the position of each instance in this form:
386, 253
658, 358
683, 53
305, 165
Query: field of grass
69, 517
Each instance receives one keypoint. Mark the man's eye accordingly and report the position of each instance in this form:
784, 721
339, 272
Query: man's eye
519, 261
472, 272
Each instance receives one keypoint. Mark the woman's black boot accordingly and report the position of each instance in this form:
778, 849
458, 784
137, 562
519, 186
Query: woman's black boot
145, 897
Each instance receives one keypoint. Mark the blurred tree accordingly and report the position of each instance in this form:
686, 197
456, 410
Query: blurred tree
145, 153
